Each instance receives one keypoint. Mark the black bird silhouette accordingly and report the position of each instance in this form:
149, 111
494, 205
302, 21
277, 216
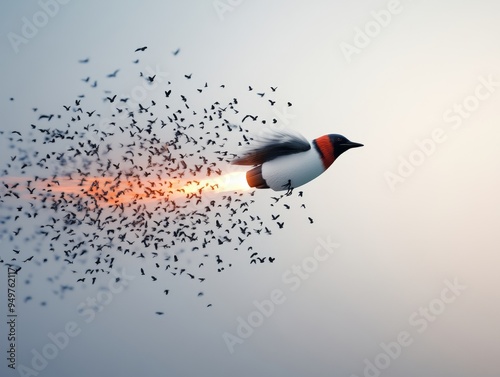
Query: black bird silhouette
113, 74
254, 118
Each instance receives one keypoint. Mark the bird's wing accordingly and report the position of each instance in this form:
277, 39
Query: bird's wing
272, 144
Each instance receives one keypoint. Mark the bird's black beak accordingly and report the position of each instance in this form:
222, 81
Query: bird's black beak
351, 144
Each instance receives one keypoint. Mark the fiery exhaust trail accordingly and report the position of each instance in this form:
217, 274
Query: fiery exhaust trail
235, 181
115, 191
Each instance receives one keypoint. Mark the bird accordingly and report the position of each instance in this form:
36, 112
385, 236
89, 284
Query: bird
254, 118
113, 74
284, 159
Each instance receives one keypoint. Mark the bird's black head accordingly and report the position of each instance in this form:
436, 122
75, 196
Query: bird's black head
341, 144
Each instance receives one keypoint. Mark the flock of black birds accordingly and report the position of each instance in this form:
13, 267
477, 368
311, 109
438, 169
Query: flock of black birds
89, 185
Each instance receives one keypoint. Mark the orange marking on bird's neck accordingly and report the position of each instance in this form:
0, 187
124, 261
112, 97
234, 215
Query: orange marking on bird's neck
326, 149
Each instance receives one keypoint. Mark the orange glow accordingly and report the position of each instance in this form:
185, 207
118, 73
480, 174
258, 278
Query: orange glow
229, 182
116, 191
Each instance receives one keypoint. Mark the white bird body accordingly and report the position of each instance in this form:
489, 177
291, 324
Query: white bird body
285, 160
292, 170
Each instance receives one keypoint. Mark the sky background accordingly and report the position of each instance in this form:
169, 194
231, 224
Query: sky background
398, 244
